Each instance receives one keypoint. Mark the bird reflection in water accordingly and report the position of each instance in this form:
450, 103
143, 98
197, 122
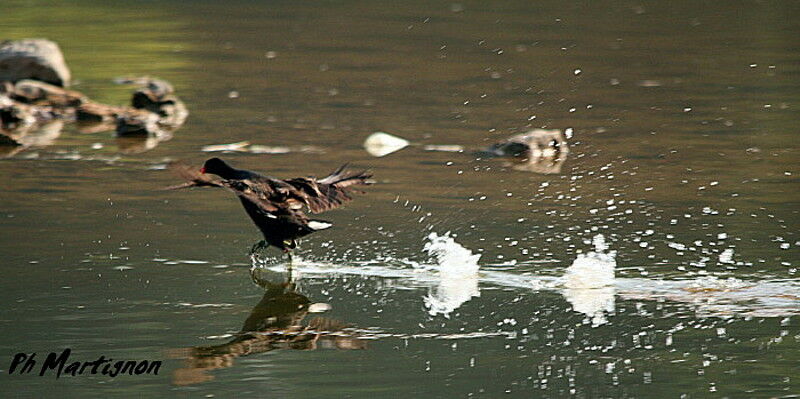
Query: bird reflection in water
276, 322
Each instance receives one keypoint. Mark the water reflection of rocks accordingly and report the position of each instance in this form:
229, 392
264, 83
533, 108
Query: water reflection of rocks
276, 322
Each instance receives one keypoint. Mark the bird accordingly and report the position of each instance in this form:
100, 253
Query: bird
276, 205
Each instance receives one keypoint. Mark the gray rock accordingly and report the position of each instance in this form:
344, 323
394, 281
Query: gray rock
537, 143
156, 96
40, 93
38, 59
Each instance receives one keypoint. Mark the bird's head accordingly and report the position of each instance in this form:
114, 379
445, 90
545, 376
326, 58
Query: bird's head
215, 166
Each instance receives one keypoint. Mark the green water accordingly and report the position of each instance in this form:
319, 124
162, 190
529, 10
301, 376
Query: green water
683, 157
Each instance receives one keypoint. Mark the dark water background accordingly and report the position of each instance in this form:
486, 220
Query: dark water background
685, 129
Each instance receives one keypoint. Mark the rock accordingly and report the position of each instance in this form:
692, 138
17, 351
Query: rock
36, 92
95, 112
539, 151
155, 90
536, 143
156, 96
38, 59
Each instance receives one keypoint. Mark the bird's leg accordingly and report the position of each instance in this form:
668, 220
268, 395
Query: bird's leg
289, 264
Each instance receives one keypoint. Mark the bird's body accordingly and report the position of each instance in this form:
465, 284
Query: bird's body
276, 205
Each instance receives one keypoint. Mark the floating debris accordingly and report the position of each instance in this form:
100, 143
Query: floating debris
239, 146
245, 146
319, 307
380, 144
444, 148
649, 83
263, 149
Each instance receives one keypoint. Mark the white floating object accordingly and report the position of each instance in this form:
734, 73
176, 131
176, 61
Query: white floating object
380, 144
444, 147
263, 149
319, 307
226, 147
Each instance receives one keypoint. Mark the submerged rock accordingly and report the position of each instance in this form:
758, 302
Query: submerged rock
536, 143
38, 59
539, 151
41, 93
157, 96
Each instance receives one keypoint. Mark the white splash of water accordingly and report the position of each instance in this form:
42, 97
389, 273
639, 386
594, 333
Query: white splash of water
594, 269
589, 284
458, 275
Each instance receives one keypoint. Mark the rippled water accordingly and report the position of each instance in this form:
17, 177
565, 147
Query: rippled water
660, 256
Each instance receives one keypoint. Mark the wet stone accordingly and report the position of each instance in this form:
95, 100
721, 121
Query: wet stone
36, 92
38, 59
533, 144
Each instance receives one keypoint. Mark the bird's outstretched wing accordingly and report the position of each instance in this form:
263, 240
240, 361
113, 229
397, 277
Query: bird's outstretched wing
329, 192
272, 195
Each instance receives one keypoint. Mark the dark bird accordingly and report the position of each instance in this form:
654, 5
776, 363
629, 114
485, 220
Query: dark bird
276, 205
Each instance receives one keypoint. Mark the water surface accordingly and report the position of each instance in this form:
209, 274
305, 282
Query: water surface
661, 258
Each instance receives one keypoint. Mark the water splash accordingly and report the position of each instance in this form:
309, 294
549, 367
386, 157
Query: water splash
594, 269
589, 284
458, 275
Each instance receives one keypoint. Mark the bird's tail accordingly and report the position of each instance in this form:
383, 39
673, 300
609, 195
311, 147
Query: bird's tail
334, 189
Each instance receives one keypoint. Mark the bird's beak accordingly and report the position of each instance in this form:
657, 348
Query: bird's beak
203, 170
